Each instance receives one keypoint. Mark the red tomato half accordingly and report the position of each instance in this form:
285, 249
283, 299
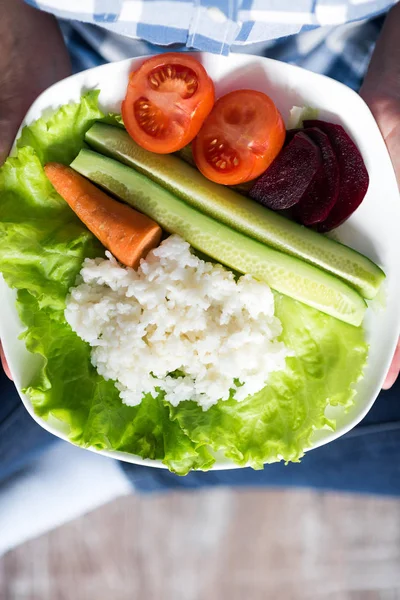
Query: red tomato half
166, 102
240, 138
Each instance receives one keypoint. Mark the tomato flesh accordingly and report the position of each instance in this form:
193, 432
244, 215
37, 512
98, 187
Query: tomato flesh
174, 78
166, 102
240, 138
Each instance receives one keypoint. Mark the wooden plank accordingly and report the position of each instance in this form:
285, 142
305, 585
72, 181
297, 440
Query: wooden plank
209, 545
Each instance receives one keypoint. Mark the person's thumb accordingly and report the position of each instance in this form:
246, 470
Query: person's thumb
8, 130
4, 363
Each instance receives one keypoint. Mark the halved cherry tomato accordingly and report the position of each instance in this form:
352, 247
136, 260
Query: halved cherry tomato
166, 102
240, 138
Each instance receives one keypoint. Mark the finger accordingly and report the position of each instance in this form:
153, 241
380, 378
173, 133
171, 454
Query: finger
8, 130
393, 144
394, 369
4, 363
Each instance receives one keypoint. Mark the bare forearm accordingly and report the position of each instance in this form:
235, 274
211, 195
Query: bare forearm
33, 56
383, 77
381, 91
381, 88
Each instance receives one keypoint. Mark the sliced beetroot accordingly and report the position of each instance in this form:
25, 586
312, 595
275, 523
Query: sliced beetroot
323, 192
284, 183
290, 133
354, 179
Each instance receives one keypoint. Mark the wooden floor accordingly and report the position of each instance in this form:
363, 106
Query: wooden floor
214, 546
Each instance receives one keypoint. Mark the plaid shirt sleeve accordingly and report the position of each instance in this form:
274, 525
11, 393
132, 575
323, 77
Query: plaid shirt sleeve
212, 25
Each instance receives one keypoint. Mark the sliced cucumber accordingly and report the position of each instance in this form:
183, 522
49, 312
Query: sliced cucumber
283, 273
240, 212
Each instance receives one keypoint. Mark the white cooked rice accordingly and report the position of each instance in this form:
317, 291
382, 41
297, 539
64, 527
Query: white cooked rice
177, 315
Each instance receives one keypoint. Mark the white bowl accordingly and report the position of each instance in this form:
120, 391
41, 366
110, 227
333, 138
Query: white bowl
373, 229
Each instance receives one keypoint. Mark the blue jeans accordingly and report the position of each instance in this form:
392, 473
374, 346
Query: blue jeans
366, 460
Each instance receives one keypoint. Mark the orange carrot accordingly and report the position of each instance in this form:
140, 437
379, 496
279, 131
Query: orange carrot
126, 233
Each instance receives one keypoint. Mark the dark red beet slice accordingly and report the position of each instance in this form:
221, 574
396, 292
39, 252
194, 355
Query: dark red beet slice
323, 192
354, 179
290, 133
286, 180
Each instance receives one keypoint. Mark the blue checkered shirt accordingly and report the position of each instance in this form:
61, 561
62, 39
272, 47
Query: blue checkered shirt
334, 37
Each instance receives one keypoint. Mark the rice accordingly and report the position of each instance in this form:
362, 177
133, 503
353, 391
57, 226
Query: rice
178, 325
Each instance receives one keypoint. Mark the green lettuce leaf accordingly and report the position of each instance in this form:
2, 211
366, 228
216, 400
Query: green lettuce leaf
59, 137
114, 119
299, 114
69, 389
279, 421
42, 247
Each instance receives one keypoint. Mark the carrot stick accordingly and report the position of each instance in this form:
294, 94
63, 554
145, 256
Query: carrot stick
127, 234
